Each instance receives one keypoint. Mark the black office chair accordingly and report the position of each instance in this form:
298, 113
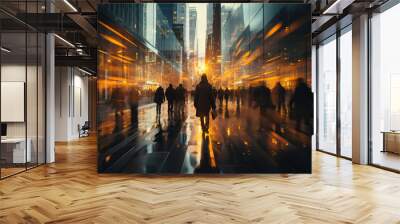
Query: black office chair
84, 130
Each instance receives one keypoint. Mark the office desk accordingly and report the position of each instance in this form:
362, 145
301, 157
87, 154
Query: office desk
13, 150
391, 141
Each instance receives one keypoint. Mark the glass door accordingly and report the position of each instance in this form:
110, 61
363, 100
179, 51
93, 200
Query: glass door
385, 89
346, 92
327, 92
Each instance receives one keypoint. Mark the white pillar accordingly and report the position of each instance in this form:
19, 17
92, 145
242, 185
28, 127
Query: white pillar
314, 90
360, 90
50, 98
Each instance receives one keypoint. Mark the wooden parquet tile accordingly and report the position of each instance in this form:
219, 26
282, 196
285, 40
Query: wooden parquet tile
71, 191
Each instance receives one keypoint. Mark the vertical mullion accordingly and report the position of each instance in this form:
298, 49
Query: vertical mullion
45, 74
37, 89
26, 86
369, 87
338, 97
317, 97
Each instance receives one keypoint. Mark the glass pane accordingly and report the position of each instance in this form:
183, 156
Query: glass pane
41, 98
31, 98
13, 87
346, 94
327, 97
385, 86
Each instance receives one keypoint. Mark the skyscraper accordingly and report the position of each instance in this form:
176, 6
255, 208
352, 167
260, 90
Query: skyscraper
192, 54
210, 14
213, 41
172, 27
192, 29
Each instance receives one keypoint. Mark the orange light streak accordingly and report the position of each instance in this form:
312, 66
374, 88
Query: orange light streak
113, 41
273, 30
116, 32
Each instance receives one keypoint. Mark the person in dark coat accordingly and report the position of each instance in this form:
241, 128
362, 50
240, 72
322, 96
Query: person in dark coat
118, 103
180, 94
204, 102
226, 96
279, 94
159, 98
250, 96
134, 104
263, 98
215, 93
220, 96
301, 103
238, 97
170, 95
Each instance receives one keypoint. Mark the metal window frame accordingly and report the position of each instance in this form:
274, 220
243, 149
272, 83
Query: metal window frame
44, 74
381, 9
337, 34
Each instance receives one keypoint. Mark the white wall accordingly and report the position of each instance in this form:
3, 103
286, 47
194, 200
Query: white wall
71, 102
33, 126
16, 73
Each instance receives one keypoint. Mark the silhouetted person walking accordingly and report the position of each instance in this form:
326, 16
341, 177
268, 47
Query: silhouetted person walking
215, 93
238, 97
250, 96
118, 103
159, 98
264, 102
170, 95
226, 96
301, 103
134, 104
221, 96
263, 98
180, 93
204, 102
279, 94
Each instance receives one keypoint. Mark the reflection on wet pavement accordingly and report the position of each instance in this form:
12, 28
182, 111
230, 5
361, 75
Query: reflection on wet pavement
238, 142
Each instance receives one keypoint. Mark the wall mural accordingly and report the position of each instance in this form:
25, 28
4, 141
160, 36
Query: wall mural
191, 88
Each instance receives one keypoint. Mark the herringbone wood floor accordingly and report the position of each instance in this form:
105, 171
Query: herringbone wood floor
71, 191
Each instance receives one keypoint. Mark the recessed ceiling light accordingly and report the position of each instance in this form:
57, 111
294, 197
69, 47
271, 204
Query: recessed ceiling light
70, 5
65, 41
84, 71
5, 50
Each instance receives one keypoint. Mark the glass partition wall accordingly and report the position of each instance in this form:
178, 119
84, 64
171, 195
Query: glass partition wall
22, 98
345, 91
384, 89
334, 94
327, 78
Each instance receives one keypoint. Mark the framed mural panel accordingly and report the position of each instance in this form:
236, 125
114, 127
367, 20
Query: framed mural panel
194, 88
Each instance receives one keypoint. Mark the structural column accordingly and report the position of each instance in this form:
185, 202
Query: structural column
360, 90
50, 92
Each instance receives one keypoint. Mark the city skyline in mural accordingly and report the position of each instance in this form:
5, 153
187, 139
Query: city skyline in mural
204, 88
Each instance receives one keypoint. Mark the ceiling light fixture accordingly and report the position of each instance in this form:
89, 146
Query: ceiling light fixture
70, 5
84, 71
337, 7
5, 50
65, 41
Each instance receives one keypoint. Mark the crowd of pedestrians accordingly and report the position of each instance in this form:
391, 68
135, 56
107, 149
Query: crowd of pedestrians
176, 98
296, 104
